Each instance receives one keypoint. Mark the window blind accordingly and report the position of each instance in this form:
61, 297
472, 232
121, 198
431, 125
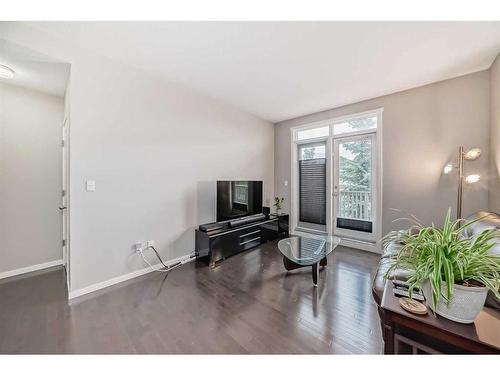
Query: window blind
312, 191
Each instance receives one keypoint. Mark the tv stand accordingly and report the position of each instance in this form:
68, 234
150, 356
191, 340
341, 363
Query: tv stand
213, 247
246, 220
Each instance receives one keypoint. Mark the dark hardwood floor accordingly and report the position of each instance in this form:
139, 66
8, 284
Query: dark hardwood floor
249, 304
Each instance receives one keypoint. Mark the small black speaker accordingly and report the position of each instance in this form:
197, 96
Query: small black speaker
266, 210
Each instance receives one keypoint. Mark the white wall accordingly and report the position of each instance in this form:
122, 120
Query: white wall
30, 177
154, 149
422, 129
494, 185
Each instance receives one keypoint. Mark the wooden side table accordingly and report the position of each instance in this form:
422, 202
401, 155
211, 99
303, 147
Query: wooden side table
407, 333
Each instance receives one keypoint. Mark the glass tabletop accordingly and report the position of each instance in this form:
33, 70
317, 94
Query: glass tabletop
307, 250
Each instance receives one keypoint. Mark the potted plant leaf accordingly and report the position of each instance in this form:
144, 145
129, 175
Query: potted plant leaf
453, 270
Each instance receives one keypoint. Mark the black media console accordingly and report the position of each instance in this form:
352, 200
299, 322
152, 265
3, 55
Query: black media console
217, 245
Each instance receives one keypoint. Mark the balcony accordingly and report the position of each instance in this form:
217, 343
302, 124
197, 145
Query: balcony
355, 205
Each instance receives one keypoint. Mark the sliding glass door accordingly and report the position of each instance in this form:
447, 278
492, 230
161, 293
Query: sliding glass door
354, 189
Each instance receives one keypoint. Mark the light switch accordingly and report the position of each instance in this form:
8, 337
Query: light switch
286, 182
90, 185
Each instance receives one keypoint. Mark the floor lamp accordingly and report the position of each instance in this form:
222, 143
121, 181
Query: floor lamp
470, 155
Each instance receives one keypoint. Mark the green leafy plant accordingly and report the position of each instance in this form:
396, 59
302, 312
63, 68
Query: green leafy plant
447, 255
278, 202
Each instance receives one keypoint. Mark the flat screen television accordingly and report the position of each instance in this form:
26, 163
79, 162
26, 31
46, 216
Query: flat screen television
237, 199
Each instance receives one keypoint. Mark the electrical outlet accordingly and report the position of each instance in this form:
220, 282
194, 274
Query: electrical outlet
150, 243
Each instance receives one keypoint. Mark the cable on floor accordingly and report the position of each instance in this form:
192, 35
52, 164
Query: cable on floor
166, 268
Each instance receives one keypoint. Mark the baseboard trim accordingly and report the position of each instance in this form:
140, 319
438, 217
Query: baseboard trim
361, 245
36, 267
122, 278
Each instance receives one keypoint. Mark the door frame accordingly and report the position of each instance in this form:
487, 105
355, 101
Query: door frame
360, 243
65, 196
342, 232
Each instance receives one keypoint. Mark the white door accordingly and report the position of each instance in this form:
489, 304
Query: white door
64, 197
354, 182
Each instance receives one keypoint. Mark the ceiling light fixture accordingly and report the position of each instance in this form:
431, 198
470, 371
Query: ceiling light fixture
6, 72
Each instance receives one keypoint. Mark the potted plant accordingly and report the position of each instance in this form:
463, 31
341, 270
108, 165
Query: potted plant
278, 201
453, 270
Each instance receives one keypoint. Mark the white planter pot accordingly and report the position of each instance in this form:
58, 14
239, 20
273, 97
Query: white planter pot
465, 304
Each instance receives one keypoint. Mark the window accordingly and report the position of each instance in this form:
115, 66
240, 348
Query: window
354, 187
356, 177
312, 151
336, 180
312, 183
323, 131
362, 123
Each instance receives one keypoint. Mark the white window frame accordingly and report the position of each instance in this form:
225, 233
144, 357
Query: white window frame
360, 241
348, 233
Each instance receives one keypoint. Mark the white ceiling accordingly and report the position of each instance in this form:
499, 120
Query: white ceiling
33, 70
280, 70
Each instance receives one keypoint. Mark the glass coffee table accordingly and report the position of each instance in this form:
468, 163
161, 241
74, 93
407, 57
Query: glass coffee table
307, 251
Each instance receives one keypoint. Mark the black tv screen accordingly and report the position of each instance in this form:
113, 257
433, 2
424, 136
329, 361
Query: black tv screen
238, 198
